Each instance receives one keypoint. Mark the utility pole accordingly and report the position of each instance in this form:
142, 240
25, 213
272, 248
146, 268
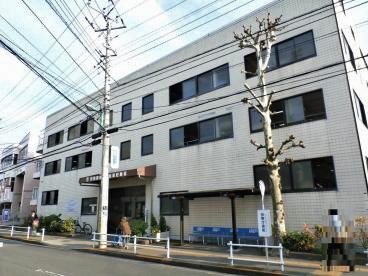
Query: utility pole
103, 205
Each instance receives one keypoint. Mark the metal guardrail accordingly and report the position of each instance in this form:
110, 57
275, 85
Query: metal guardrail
135, 241
279, 247
14, 230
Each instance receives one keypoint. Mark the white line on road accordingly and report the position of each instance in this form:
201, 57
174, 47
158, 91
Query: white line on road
48, 272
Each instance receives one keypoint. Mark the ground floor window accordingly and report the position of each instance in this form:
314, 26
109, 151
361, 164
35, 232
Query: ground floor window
89, 206
50, 197
171, 207
316, 174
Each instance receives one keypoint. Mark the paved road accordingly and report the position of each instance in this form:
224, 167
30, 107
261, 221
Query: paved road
19, 259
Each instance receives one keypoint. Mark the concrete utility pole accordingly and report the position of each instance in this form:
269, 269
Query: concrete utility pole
103, 205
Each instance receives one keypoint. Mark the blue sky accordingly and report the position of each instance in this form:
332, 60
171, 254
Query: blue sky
25, 100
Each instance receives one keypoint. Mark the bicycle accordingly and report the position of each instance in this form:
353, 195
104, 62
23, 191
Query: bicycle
85, 229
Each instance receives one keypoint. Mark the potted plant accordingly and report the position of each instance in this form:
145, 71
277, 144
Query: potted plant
159, 230
164, 228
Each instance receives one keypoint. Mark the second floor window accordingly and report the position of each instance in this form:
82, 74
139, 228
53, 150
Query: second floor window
147, 104
81, 129
283, 53
203, 83
147, 144
125, 150
78, 161
55, 139
201, 132
126, 112
298, 109
52, 167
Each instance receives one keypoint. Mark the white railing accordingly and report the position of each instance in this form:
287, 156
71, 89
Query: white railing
14, 230
135, 242
279, 247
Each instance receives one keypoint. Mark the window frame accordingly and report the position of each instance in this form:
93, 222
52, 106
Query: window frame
47, 200
276, 51
77, 157
121, 150
88, 214
54, 163
149, 153
80, 129
199, 134
130, 112
324, 117
197, 93
292, 186
151, 109
61, 138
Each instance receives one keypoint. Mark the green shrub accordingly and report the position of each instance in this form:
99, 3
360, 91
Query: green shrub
46, 221
138, 227
55, 226
154, 225
300, 241
68, 226
163, 226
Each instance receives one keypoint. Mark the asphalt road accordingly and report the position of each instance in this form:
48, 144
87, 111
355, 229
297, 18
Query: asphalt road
21, 259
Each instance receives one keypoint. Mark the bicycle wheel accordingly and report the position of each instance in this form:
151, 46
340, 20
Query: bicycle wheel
78, 229
87, 229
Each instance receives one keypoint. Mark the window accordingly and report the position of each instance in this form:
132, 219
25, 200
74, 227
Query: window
111, 118
12, 182
23, 154
125, 150
81, 129
171, 207
147, 144
294, 110
89, 206
35, 193
349, 51
52, 167
305, 175
286, 52
79, 161
50, 197
203, 83
360, 110
55, 139
147, 104
126, 112
201, 132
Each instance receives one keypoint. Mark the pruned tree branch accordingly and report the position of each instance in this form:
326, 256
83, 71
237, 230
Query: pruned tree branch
288, 144
253, 94
269, 99
257, 145
247, 101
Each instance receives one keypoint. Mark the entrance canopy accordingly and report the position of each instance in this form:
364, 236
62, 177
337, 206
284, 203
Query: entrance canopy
210, 193
95, 180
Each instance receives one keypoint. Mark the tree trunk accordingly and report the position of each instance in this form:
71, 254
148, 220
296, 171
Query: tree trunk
275, 179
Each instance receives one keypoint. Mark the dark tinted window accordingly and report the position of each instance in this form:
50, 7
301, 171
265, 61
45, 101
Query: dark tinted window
147, 104
207, 130
304, 175
126, 112
79, 161
81, 129
52, 167
125, 150
147, 144
297, 109
55, 139
89, 206
171, 207
50, 197
203, 83
286, 52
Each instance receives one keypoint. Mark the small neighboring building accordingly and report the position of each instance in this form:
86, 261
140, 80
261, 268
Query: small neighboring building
184, 133
19, 178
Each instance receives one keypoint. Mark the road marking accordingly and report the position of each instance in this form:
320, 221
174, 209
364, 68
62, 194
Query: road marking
48, 272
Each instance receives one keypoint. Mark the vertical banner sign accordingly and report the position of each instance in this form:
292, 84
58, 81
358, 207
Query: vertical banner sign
114, 157
264, 223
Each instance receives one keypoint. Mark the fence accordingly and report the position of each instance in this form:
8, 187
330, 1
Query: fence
279, 247
114, 238
14, 230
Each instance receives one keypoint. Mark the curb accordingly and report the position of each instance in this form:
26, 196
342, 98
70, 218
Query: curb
239, 270
23, 240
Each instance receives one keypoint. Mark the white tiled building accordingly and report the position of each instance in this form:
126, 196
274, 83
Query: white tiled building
19, 178
185, 134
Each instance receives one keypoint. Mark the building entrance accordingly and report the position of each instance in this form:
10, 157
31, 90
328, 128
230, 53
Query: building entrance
125, 202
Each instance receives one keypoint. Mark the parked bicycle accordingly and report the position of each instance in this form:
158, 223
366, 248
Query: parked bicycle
85, 229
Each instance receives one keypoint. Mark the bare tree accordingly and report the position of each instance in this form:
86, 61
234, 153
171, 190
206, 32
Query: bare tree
261, 41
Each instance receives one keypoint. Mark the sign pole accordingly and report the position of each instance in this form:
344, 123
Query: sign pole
262, 188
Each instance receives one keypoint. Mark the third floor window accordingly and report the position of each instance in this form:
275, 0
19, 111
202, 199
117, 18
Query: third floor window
126, 112
81, 129
55, 139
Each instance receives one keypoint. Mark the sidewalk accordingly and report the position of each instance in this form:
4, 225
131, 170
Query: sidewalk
194, 256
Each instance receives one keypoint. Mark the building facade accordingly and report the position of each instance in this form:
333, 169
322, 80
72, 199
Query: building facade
20, 179
184, 132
